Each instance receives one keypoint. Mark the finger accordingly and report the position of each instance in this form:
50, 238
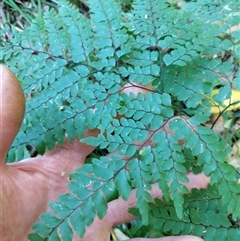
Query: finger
74, 150
12, 108
118, 209
135, 88
170, 238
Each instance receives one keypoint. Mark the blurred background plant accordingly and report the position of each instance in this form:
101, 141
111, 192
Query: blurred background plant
20, 13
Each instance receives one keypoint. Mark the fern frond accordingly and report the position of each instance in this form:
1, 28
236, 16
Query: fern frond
57, 36
90, 198
73, 72
106, 20
80, 33
204, 216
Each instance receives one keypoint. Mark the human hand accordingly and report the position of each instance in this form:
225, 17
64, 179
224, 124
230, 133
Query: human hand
29, 185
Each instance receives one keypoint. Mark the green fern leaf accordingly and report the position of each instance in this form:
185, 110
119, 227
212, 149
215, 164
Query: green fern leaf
74, 72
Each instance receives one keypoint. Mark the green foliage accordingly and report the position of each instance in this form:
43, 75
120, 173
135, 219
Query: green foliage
74, 67
206, 218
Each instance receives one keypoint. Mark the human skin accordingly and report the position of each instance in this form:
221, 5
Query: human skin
29, 185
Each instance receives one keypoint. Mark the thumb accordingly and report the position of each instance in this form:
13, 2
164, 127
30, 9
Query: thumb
12, 107
170, 238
